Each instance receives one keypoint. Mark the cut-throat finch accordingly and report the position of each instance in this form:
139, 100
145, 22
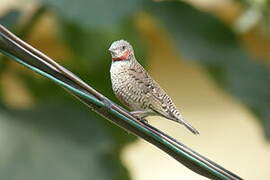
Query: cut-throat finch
135, 88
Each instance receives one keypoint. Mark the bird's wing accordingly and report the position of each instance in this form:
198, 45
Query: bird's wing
159, 101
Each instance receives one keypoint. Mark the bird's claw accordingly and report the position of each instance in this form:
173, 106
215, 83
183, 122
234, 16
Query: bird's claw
140, 116
143, 121
107, 103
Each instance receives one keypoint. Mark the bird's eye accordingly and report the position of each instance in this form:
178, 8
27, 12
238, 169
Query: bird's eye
123, 47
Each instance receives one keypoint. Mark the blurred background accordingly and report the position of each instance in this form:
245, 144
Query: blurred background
212, 58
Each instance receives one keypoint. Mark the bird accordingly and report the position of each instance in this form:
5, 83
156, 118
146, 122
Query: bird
135, 88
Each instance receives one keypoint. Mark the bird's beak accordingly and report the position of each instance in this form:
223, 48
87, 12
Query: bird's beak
113, 52
110, 49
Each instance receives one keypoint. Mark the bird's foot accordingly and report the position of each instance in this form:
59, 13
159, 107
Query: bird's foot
143, 121
140, 115
107, 106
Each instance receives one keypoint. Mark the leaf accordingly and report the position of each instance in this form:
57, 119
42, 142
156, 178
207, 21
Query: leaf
198, 35
205, 39
10, 19
94, 13
249, 81
57, 141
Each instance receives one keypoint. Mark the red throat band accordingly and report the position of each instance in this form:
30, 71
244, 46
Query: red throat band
123, 57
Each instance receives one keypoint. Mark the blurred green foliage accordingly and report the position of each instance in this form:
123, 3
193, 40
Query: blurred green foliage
95, 14
57, 141
10, 19
60, 138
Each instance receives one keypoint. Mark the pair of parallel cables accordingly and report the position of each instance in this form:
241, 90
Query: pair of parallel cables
28, 56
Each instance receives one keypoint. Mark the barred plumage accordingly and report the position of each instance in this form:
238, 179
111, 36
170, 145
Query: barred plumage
137, 90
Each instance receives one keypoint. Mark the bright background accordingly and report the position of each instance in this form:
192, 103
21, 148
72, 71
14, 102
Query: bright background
212, 58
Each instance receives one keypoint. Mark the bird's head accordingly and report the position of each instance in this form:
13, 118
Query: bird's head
121, 50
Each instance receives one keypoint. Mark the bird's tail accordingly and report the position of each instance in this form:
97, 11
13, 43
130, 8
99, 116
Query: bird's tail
180, 119
189, 127
177, 117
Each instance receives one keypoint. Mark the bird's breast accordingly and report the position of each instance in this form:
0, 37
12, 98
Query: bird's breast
124, 86
119, 77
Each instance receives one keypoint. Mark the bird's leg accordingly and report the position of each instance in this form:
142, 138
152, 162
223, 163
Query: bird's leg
140, 115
